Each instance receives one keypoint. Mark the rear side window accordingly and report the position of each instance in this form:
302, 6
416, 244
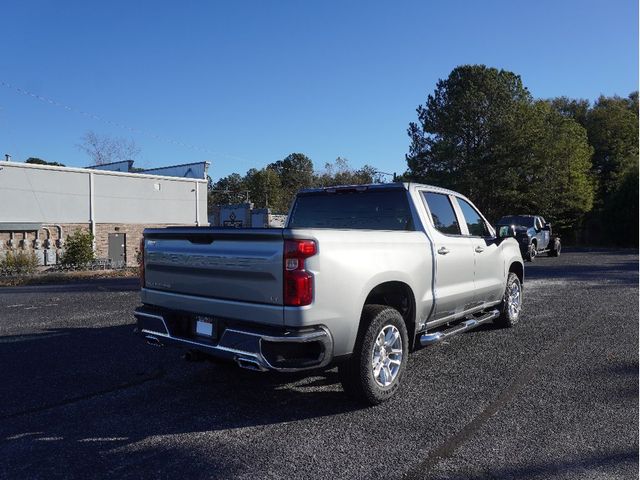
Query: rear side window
442, 213
353, 209
475, 223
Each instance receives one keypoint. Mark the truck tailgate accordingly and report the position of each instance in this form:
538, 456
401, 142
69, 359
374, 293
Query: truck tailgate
242, 265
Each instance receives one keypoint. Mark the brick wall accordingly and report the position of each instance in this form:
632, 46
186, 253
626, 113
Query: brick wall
132, 243
132, 240
67, 229
25, 240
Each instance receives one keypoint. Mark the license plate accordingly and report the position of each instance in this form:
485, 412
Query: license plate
206, 327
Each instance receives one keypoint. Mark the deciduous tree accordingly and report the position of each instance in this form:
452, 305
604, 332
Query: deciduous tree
612, 125
229, 190
265, 189
103, 149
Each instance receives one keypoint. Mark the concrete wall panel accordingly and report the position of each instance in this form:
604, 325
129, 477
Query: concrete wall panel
144, 200
43, 196
61, 195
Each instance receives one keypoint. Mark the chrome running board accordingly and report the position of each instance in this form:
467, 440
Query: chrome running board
435, 337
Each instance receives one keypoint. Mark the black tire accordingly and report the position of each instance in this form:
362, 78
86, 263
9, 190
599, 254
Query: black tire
531, 252
357, 374
557, 247
508, 318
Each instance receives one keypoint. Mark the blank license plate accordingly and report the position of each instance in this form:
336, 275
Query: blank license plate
206, 327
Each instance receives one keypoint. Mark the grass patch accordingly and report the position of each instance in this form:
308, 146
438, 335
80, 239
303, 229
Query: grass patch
46, 278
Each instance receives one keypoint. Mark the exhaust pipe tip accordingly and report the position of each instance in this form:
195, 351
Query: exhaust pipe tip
249, 363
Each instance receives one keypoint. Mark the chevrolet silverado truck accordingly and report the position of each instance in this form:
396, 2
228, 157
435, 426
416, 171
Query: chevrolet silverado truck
359, 277
534, 235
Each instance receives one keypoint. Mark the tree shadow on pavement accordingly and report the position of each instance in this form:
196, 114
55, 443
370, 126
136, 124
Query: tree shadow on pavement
599, 465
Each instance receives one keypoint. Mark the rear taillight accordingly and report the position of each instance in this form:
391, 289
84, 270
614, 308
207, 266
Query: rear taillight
141, 262
298, 283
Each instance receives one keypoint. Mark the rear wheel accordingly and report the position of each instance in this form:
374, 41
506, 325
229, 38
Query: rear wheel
511, 302
555, 251
374, 371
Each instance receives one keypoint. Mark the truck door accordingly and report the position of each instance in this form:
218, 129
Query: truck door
489, 265
544, 234
454, 286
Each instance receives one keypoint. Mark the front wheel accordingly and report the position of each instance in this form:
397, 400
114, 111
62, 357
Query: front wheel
531, 252
374, 371
511, 302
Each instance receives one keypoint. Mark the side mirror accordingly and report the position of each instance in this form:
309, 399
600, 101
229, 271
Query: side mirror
547, 226
506, 231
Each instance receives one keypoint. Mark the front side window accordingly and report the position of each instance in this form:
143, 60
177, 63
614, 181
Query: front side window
442, 213
474, 221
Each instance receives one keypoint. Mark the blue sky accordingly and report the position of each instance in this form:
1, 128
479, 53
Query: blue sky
244, 83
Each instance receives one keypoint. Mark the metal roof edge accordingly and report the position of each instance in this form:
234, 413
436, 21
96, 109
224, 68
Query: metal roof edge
87, 171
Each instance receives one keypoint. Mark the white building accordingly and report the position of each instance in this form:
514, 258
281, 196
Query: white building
40, 205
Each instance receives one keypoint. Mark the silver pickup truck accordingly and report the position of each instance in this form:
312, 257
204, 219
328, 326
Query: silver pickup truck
360, 276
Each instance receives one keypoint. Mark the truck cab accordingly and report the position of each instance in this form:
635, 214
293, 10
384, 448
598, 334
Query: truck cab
534, 235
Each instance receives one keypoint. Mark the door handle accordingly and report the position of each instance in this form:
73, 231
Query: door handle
443, 250
479, 249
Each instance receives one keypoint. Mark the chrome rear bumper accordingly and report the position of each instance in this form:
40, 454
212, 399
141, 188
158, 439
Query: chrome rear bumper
250, 347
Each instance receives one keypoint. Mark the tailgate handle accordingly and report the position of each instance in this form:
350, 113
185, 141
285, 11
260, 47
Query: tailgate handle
202, 239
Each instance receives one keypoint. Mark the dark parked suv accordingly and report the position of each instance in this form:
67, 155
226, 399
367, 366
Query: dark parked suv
533, 234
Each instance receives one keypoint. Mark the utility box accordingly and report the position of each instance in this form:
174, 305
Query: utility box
263, 218
40, 256
238, 216
50, 257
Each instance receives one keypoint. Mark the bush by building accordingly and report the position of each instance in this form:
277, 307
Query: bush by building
20, 262
78, 249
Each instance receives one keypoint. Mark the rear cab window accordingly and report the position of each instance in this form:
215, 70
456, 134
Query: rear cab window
517, 220
353, 208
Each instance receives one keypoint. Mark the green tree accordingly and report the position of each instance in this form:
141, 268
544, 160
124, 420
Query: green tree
465, 133
295, 172
569, 107
39, 161
562, 173
265, 189
482, 134
231, 189
276, 185
620, 212
341, 173
612, 125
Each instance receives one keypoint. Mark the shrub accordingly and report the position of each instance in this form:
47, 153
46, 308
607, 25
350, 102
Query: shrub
19, 263
78, 249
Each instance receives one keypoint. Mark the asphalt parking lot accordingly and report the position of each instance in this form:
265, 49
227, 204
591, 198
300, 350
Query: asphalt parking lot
554, 397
